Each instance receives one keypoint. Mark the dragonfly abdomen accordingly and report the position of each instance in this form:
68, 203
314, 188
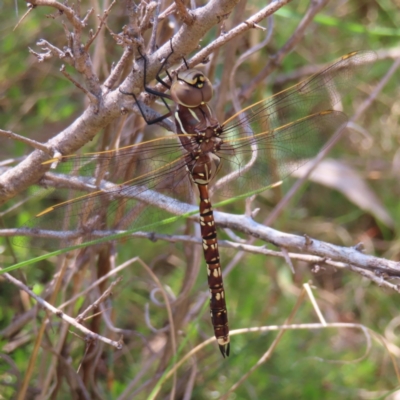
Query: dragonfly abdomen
219, 313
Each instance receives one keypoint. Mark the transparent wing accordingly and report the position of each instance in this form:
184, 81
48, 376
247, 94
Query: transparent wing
122, 184
317, 93
268, 140
269, 156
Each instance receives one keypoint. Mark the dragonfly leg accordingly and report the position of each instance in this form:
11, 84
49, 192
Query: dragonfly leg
149, 90
148, 121
158, 77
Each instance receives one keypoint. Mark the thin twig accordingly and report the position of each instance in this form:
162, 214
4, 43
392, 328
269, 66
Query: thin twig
298, 74
30, 8
102, 20
30, 142
168, 11
314, 303
68, 11
119, 68
93, 99
146, 21
60, 314
276, 59
324, 253
96, 304
97, 282
236, 31
152, 7
235, 99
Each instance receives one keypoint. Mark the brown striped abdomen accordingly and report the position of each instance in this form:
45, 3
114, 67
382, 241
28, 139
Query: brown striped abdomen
219, 314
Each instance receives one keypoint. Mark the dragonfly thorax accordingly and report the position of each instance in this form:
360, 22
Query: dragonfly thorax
196, 125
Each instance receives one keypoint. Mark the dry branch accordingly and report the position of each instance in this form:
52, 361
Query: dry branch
85, 127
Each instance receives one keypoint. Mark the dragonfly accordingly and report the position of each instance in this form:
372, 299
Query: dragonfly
251, 150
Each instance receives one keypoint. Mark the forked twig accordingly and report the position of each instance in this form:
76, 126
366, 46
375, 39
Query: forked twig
30, 142
96, 304
93, 99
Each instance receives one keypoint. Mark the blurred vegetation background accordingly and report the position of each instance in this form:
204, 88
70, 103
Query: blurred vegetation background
38, 102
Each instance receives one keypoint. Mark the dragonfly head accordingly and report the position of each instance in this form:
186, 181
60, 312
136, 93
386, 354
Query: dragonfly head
191, 88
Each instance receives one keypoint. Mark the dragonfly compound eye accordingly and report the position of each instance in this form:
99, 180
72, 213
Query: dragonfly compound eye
191, 89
